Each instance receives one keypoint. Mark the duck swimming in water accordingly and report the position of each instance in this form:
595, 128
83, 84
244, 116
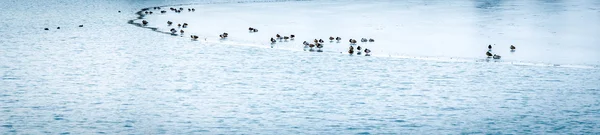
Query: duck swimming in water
490, 47
488, 54
512, 47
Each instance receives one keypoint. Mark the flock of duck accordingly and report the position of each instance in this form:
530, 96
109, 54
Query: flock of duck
495, 56
59, 27
318, 43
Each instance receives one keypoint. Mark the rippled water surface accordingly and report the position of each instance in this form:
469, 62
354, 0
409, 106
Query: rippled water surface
112, 77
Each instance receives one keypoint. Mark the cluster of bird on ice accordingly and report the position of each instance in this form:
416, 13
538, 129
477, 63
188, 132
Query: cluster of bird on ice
307, 46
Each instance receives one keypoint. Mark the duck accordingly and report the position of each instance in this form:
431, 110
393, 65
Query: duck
320, 46
278, 36
273, 40
512, 47
367, 51
488, 54
181, 31
194, 37
292, 36
490, 47
363, 40
331, 38
169, 23
80, 25
321, 41
338, 38
173, 30
496, 56
371, 40
144, 22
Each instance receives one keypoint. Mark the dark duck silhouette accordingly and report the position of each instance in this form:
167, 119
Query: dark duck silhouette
367, 51
194, 37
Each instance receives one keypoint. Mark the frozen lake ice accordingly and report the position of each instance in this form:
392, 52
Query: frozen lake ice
542, 31
111, 77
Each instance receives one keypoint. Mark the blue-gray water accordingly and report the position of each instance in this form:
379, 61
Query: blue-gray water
111, 77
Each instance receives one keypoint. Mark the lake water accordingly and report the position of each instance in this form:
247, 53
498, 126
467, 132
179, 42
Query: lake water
428, 73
